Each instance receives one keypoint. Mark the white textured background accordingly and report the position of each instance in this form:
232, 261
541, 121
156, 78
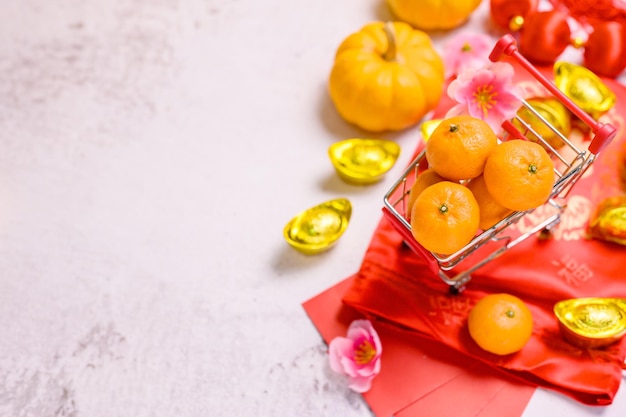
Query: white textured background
151, 152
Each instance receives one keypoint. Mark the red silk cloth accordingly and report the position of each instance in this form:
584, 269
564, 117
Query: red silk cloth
419, 376
394, 285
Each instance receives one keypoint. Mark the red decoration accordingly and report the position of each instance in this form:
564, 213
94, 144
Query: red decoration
504, 11
605, 50
545, 36
396, 285
584, 10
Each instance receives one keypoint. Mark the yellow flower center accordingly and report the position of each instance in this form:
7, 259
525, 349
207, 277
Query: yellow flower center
364, 352
466, 48
485, 97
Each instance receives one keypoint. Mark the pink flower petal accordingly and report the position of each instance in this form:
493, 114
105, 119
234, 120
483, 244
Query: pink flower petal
365, 371
457, 110
360, 328
494, 121
502, 70
357, 355
361, 384
465, 51
338, 349
350, 367
487, 93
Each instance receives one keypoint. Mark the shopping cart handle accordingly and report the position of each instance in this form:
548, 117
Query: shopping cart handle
603, 133
603, 136
506, 45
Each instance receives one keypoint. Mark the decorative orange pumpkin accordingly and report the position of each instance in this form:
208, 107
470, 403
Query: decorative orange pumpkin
433, 14
386, 76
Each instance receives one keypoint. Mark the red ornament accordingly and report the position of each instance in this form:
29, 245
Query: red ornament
544, 36
586, 10
605, 50
504, 12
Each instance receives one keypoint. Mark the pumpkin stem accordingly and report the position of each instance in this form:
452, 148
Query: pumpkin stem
390, 53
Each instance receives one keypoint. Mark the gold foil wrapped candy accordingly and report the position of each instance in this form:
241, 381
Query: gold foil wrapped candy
363, 161
592, 322
553, 111
428, 127
318, 228
609, 220
584, 88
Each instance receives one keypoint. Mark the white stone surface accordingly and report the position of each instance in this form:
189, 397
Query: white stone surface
151, 152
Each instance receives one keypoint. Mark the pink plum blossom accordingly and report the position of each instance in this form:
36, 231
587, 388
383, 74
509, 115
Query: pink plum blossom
466, 51
357, 355
487, 93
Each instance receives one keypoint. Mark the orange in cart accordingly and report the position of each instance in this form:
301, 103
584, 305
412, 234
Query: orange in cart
500, 323
423, 181
519, 174
445, 217
458, 148
491, 212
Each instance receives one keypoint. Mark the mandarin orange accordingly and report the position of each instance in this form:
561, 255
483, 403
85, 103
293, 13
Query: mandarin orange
500, 323
459, 146
425, 179
519, 174
445, 217
491, 212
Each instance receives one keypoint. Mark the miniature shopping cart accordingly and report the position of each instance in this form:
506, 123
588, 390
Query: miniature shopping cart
456, 269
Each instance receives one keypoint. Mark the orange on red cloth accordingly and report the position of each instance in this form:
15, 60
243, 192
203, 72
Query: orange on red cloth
419, 377
395, 285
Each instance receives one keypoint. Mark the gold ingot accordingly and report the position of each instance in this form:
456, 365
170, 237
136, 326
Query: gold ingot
592, 322
363, 161
584, 88
609, 220
317, 229
428, 127
554, 112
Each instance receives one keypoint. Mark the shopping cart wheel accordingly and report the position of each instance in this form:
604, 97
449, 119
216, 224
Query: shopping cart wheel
456, 290
457, 287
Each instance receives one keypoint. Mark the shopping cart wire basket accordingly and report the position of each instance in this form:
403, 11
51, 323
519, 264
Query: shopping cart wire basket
456, 269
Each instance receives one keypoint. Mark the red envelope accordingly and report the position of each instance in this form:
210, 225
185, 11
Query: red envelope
418, 375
